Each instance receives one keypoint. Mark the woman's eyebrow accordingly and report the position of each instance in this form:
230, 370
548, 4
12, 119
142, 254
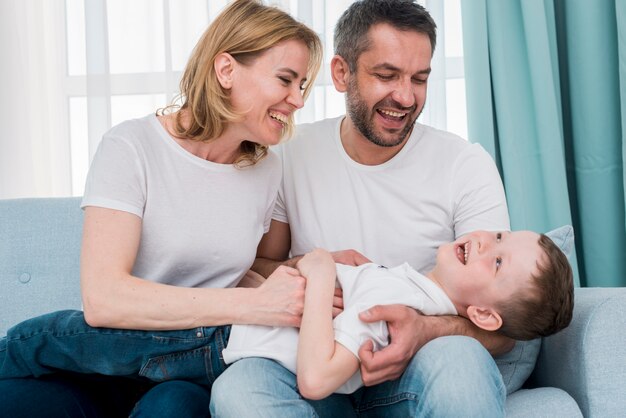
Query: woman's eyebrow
293, 73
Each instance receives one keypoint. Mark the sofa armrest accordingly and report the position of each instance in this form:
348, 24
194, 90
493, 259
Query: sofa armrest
39, 257
588, 359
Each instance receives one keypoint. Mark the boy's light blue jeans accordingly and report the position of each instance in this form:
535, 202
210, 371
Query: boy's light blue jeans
188, 361
449, 377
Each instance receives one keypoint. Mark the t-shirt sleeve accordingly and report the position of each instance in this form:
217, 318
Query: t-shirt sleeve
276, 182
116, 179
479, 199
280, 209
351, 332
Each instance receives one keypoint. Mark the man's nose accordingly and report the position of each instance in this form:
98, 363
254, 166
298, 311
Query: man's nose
403, 93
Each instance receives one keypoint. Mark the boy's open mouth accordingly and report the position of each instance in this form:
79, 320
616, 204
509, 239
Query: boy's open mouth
462, 252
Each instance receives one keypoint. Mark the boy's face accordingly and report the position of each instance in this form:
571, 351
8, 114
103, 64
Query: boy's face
483, 268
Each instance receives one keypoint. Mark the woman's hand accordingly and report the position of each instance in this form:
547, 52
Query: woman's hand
281, 298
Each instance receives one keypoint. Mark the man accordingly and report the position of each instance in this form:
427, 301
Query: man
384, 187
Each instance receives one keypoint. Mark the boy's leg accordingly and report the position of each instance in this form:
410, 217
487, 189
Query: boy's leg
62, 341
449, 377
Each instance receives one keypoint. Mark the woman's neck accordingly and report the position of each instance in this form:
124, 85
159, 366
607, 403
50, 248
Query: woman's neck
221, 150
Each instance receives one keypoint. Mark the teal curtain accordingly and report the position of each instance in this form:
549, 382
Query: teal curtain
546, 96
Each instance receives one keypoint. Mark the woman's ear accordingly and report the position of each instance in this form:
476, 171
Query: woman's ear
485, 318
224, 65
340, 73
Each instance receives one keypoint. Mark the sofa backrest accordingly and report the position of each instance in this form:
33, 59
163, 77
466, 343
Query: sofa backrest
39, 257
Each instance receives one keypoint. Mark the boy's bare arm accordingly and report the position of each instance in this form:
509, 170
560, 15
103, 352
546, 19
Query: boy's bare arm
323, 365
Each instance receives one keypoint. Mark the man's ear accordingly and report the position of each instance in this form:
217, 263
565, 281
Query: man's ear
485, 318
224, 65
340, 72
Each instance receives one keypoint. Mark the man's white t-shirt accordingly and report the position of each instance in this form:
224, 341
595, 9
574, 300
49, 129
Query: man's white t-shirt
363, 287
437, 188
201, 221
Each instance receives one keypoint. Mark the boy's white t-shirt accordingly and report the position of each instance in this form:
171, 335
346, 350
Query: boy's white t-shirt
201, 221
363, 287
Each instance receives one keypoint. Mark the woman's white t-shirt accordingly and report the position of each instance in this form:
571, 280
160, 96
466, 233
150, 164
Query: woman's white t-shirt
201, 221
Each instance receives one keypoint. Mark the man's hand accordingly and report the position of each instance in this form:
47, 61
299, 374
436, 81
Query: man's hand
406, 334
337, 302
409, 330
350, 257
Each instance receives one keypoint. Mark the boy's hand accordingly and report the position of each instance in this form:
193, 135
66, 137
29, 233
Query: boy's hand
319, 265
312, 260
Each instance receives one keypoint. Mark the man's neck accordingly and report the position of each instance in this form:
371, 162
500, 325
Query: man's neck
363, 151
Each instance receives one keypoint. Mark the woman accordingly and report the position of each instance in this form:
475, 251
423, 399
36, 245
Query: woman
175, 206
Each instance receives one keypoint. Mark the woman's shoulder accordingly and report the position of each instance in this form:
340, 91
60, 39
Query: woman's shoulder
133, 127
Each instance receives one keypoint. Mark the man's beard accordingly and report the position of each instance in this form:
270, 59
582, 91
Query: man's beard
359, 113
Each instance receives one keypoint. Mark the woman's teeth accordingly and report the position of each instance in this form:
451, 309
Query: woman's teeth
279, 117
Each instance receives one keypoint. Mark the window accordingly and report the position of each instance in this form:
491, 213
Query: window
99, 62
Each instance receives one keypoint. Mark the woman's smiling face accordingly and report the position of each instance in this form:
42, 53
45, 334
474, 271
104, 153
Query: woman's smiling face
268, 90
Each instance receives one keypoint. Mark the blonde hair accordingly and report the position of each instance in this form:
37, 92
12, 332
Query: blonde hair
245, 29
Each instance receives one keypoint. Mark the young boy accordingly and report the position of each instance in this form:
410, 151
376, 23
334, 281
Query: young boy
516, 283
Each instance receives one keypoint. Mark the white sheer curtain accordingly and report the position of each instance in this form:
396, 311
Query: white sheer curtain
73, 68
34, 143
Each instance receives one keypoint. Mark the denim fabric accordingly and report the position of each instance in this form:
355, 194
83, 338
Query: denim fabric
67, 395
98, 396
63, 341
173, 399
449, 377
63, 349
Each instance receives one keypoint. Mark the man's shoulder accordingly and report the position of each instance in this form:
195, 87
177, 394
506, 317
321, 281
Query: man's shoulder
444, 143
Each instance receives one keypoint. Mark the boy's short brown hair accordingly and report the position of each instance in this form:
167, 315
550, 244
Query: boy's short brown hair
546, 307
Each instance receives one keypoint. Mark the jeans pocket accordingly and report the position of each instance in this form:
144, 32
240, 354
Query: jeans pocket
192, 365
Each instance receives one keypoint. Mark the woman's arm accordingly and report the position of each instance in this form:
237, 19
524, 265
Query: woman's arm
114, 298
323, 364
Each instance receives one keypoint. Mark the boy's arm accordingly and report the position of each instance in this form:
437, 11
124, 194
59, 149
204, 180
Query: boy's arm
323, 364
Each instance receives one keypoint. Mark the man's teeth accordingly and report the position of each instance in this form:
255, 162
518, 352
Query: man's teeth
392, 113
466, 252
279, 117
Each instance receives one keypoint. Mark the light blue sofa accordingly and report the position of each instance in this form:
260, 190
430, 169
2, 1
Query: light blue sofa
580, 371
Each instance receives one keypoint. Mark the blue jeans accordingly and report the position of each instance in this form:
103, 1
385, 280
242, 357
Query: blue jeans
155, 373
449, 377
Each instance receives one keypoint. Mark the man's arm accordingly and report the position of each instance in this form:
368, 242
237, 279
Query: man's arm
323, 365
408, 332
273, 251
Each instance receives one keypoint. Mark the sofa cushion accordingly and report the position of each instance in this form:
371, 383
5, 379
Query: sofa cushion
541, 402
